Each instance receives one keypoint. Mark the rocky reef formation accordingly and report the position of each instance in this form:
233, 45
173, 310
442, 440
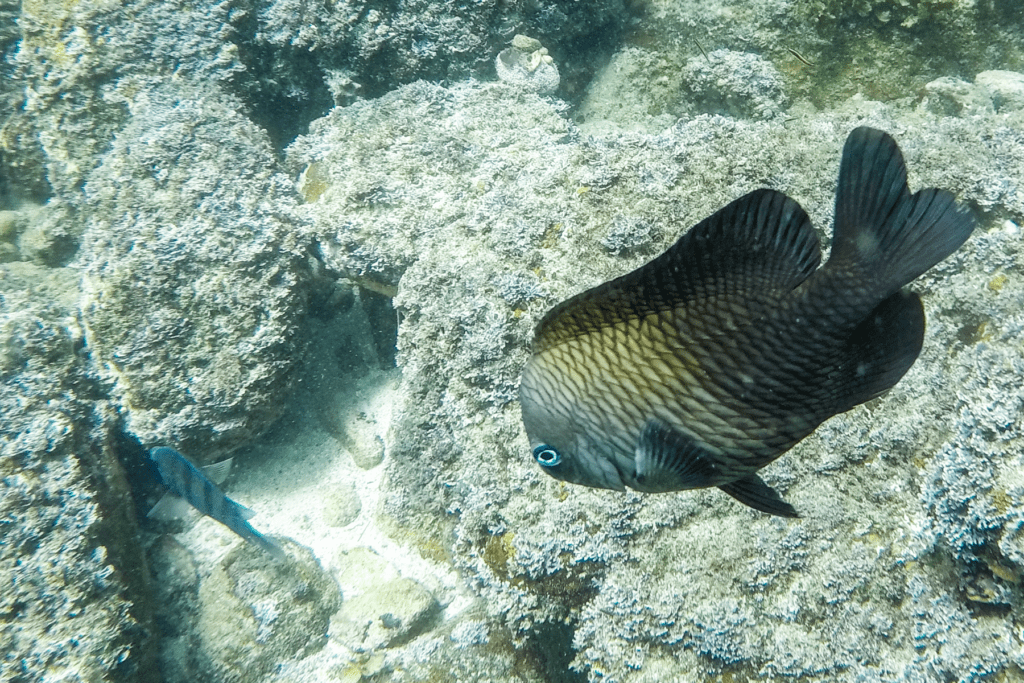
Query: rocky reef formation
652, 585
212, 236
74, 602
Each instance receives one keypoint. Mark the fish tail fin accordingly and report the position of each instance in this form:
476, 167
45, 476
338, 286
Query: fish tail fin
881, 229
271, 546
880, 350
246, 531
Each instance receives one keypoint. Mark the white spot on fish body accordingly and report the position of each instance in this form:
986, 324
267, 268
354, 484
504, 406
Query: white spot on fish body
867, 242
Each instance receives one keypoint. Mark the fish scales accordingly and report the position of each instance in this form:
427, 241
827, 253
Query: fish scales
709, 362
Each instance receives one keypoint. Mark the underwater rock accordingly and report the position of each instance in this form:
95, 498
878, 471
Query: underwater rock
389, 613
254, 613
175, 580
615, 97
382, 609
825, 52
362, 442
627, 586
733, 83
1005, 88
195, 274
342, 505
527, 64
948, 96
418, 40
628, 234
10, 226
360, 568
76, 602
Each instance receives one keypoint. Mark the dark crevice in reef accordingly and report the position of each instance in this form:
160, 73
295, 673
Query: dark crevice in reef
286, 113
15, 191
550, 649
140, 474
285, 88
383, 319
119, 534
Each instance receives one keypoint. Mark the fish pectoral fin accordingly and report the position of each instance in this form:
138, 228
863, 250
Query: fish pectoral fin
668, 460
751, 490
169, 508
218, 471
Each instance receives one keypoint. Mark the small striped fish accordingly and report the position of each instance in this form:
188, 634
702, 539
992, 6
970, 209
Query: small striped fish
187, 485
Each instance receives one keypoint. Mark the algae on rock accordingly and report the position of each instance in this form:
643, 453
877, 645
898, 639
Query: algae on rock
188, 219
636, 583
76, 601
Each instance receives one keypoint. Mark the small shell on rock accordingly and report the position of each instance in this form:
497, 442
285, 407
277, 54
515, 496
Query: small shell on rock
527, 64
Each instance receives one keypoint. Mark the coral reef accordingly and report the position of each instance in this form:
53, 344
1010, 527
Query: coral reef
823, 51
236, 620
210, 236
364, 49
737, 84
689, 582
223, 273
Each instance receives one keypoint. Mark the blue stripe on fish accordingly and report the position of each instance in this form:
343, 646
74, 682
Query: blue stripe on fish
187, 482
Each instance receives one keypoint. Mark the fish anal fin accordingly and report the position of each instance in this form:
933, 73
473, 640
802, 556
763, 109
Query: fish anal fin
752, 491
668, 460
758, 246
218, 471
880, 350
169, 508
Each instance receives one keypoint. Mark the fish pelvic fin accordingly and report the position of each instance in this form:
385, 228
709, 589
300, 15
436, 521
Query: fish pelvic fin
169, 508
752, 491
882, 230
757, 245
668, 460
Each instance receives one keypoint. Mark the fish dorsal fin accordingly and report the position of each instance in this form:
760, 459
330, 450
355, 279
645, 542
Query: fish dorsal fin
761, 244
218, 471
170, 507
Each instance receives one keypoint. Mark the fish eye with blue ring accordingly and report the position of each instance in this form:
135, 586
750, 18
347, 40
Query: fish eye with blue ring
547, 456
